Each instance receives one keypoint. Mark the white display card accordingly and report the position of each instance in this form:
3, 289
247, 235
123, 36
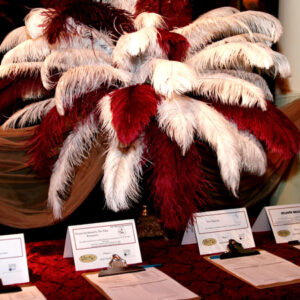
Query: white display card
214, 229
92, 245
13, 259
284, 220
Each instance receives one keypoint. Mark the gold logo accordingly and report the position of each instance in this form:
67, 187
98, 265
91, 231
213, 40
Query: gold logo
209, 242
87, 258
283, 233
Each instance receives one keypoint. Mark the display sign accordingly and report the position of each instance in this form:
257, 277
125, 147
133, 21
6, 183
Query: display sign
214, 229
284, 220
92, 245
13, 259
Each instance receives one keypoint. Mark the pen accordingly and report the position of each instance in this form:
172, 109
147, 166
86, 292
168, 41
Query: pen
151, 266
214, 257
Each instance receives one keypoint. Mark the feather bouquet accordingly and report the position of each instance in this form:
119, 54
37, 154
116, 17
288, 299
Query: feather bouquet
154, 91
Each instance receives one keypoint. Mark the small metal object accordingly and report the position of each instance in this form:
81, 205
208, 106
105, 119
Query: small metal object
118, 265
237, 250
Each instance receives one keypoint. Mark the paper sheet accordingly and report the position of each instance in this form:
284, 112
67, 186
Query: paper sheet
150, 284
27, 293
262, 269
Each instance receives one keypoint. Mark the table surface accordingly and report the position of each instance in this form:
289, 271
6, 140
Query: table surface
56, 277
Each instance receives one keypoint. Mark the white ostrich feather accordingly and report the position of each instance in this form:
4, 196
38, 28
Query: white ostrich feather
230, 90
106, 117
122, 171
74, 150
254, 157
34, 22
204, 31
30, 114
172, 77
73, 84
220, 12
175, 116
27, 51
212, 127
12, 71
147, 19
132, 47
61, 61
250, 77
14, 38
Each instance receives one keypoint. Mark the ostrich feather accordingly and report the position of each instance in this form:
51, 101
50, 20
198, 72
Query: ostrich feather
60, 61
204, 31
20, 81
254, 157
271, 126
148, 19
30, 114
250, 77
29, 50
14, 38
230, 90
132, 109
220, 12
105, 117
10, 73
175, 116
34, 22
212, 127
172, 77
73, 84
239, 55
132, 46
122, 171
74, 150
169, 169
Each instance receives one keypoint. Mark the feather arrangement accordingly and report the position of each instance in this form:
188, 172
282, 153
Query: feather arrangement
159, 96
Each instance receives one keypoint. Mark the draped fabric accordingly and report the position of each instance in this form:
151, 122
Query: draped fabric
23, 195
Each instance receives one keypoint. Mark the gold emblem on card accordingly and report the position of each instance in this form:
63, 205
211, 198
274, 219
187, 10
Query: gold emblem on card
209, 242
283, 233
87, 258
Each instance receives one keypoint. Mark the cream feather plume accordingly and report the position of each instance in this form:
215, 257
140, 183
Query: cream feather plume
137, 46
230, 90
250, 77
239, 55
175, 116
30, 114
74, 151
172, 77
73, 84
12, 71
224, 138
34, 22
61, 61
122, 171
105, 115
204, 31
14, 38
147, 19
254, 157
27, 51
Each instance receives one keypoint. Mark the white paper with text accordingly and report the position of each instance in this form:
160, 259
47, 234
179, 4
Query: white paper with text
92, 245
13, 259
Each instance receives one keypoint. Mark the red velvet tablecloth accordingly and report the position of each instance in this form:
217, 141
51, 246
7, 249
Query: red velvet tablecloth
56, 277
